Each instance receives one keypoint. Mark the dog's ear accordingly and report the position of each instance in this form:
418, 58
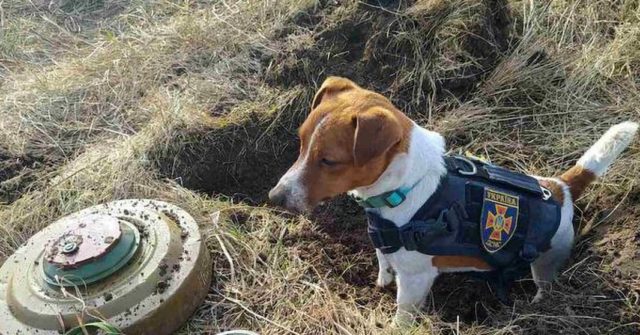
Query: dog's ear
376, 131
330, 87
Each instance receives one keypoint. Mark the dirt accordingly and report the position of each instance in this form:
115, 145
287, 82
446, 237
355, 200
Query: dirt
340, 251
78, 15
236, 161
18, 173
368, 47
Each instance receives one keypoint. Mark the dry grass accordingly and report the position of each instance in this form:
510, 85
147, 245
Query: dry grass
196, 102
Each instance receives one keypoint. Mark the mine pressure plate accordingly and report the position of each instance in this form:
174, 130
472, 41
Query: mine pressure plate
138, 266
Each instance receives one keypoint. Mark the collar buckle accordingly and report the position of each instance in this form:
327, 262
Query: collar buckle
391, 199
394, 199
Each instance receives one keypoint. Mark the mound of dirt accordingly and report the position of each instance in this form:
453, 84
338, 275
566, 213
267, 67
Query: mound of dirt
414, 53
17, 173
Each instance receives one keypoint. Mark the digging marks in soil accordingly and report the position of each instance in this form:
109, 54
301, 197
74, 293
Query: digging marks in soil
388, 49
18, 173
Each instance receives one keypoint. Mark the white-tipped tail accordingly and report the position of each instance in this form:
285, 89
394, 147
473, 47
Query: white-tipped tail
598, 158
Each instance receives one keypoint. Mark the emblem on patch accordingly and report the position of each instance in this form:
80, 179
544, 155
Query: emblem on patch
499, 219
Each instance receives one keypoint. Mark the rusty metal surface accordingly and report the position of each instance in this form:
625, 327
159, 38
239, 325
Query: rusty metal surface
85, 240
97, 268
159, 289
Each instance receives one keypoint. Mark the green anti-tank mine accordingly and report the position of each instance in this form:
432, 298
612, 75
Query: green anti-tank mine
138, 265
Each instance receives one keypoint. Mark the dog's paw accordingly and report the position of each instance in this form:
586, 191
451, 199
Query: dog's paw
403, 320
385, 277
538, 297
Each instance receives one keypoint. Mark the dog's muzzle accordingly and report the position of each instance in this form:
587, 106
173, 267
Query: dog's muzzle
278, 196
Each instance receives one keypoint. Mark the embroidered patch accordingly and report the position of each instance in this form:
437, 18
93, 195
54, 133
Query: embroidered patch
499, 219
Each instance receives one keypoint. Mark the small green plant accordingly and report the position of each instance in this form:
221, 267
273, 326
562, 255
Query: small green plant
90, 328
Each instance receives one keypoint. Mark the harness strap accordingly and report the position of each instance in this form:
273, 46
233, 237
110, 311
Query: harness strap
411, 236
395, 198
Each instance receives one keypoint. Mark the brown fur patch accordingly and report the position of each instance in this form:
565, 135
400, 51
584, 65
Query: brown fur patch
555, 188
358, 130
577, 178
452, 262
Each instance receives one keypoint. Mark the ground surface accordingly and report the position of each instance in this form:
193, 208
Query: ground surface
197, 102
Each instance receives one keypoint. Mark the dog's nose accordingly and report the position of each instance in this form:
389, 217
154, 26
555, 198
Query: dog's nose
277, 196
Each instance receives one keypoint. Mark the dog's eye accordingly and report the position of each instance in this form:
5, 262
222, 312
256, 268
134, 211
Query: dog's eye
328, 162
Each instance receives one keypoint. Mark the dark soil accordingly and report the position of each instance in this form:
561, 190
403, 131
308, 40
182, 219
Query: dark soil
375, 46
17, 174
238, 161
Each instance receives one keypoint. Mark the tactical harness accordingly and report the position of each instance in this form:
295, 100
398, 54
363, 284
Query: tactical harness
479, 210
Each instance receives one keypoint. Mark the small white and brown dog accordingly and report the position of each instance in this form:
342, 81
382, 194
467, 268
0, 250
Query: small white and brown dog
355, 140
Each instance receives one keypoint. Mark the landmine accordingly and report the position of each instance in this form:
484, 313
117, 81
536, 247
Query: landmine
138, 265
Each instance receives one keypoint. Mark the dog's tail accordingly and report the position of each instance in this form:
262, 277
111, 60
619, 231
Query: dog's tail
595, 162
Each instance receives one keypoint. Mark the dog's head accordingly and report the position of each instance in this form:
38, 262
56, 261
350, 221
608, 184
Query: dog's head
346, 142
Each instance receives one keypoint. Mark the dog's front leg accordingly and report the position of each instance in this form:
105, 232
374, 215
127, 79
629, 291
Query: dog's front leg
412, 291
385, 272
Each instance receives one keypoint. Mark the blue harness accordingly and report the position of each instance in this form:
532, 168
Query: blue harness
480, 210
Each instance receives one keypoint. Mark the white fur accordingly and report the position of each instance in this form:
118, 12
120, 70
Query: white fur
598, 158
292, 179
545, 267
424, 163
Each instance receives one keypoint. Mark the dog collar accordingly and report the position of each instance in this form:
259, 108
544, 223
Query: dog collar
389, 199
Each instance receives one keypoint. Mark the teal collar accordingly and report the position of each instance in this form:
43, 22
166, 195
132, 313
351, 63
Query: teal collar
389, 199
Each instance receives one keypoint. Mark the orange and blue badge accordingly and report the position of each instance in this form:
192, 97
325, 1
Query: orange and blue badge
499, 219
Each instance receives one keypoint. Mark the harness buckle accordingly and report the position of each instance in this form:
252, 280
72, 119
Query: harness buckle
546, 193
474, 169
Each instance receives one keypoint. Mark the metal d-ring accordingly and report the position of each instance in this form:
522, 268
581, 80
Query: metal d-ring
474, 170
546, 194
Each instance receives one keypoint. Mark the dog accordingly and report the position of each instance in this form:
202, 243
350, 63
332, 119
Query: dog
356, 141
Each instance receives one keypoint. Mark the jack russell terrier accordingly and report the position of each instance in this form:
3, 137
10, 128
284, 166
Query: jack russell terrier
430, 213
